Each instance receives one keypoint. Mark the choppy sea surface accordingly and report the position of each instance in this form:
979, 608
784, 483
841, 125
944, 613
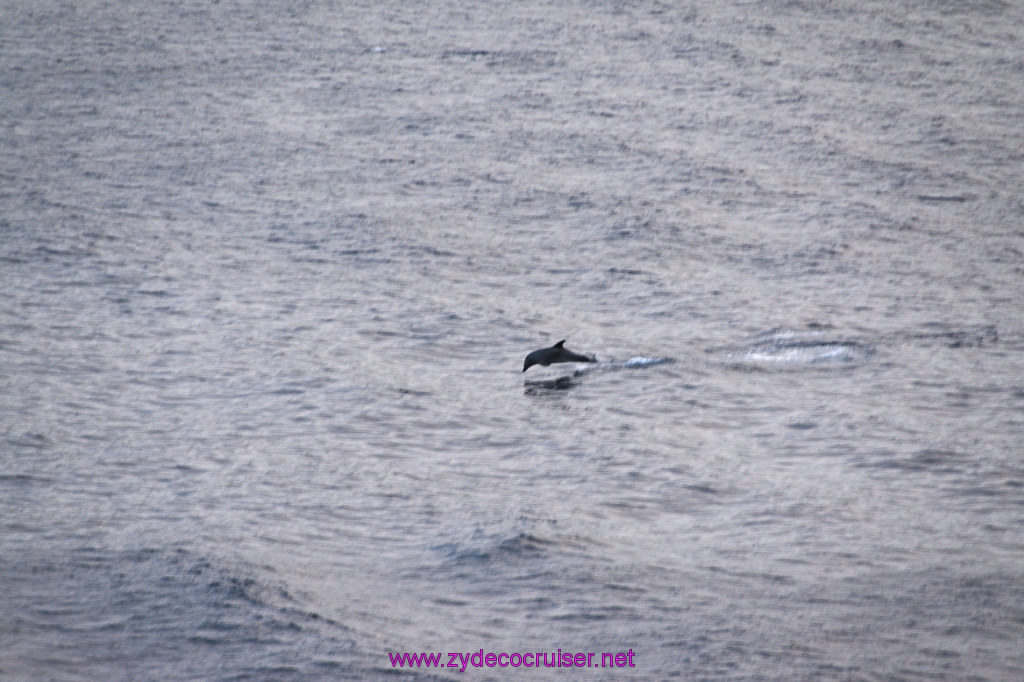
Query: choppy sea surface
268, 273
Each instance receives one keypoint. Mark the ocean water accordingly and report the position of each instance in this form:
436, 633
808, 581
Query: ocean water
268, 273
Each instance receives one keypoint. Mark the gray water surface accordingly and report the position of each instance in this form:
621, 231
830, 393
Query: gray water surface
268, 273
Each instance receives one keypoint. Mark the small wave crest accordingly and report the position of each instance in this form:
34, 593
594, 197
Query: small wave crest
644, 362
497, 548
785, 348
636, 362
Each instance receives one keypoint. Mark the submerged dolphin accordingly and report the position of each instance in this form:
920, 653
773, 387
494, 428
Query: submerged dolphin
556, 353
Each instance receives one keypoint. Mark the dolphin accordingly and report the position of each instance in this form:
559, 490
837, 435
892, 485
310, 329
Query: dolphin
556, 353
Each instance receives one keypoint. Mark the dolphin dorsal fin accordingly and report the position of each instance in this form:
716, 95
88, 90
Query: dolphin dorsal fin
559, 344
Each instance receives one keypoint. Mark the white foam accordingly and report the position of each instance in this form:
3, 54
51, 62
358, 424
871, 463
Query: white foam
799, 354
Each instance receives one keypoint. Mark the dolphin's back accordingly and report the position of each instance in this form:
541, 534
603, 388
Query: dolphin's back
552, 355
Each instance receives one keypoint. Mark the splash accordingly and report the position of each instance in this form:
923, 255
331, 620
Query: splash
641, 362
787, 348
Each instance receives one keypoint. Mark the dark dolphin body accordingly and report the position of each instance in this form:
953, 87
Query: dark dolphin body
556, 353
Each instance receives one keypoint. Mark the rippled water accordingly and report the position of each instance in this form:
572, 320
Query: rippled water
269, 272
